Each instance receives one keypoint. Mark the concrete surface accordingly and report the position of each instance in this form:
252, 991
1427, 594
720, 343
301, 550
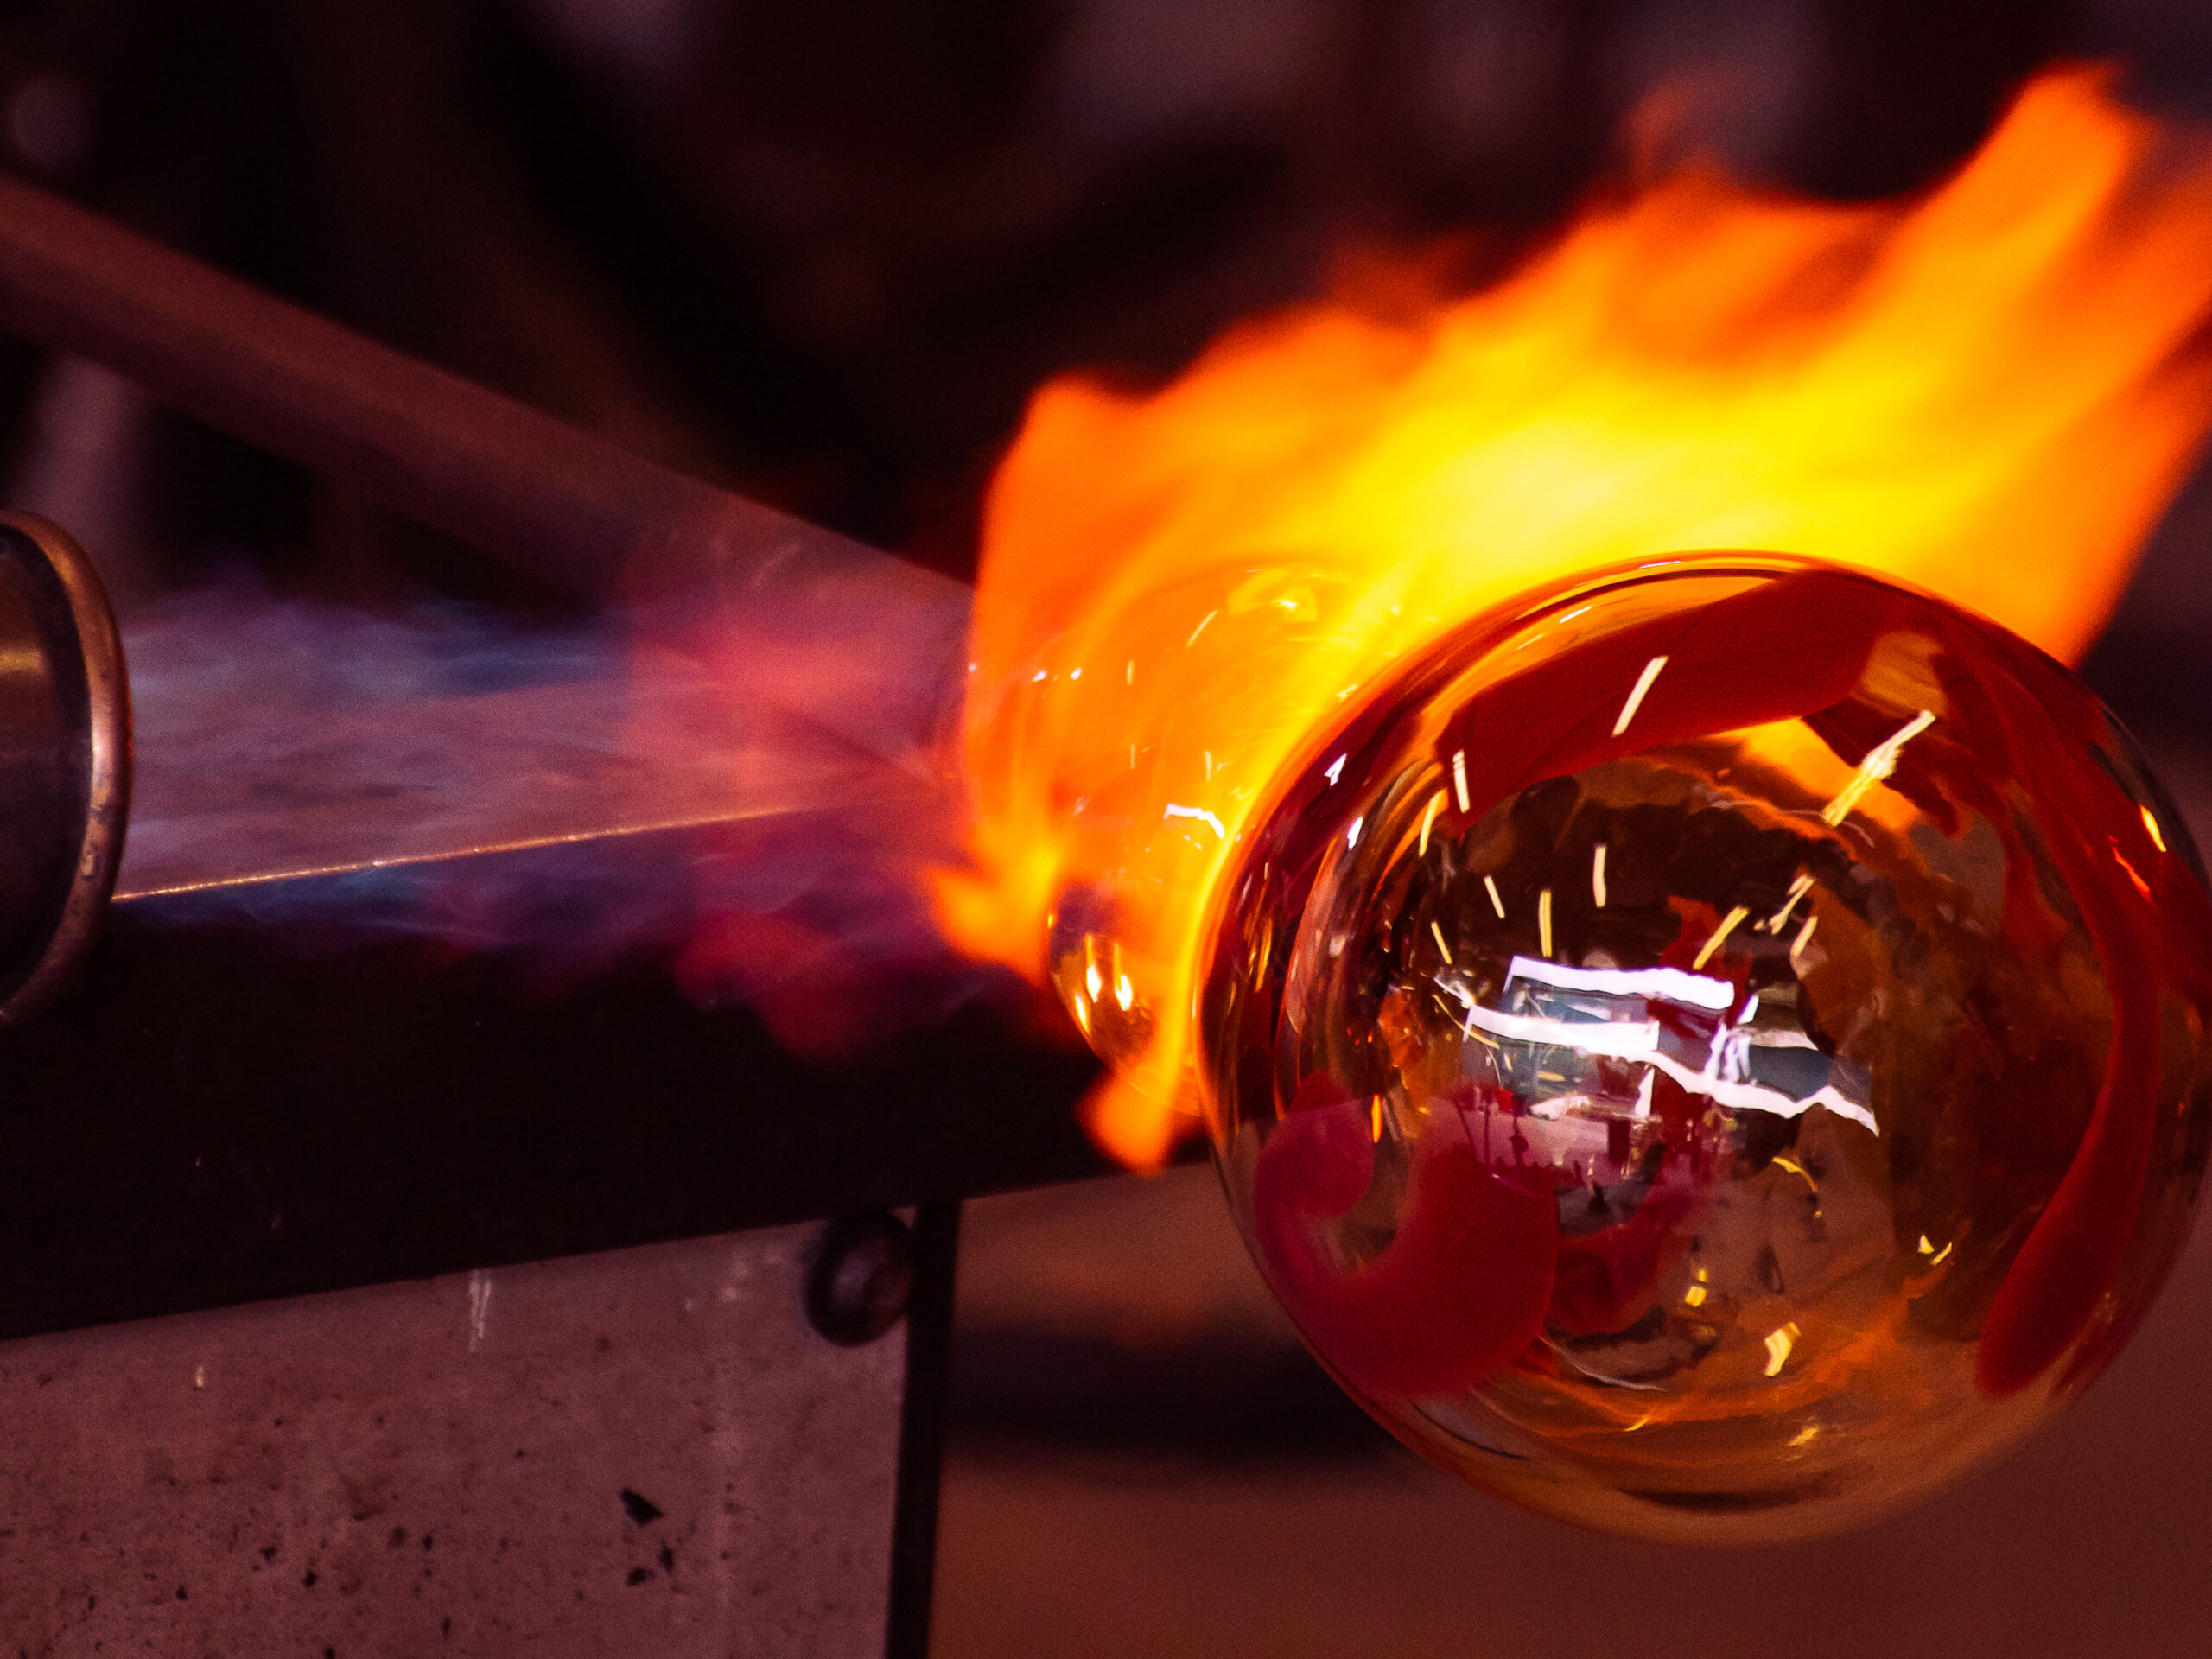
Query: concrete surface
646, 1453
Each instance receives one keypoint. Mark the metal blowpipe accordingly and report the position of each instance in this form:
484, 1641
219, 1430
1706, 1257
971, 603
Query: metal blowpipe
863, 644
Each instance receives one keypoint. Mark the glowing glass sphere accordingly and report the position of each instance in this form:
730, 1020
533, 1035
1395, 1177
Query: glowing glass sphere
1718, 1050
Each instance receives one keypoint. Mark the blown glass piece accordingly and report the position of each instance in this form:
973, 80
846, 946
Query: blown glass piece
1717, 1051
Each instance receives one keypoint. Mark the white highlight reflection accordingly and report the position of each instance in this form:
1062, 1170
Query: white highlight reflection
1656, 984
1724, 1077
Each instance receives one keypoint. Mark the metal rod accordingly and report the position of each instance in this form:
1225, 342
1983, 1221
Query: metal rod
921, 1430
865, 643
287, 793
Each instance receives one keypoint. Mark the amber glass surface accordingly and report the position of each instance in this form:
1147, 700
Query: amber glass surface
1718, 1050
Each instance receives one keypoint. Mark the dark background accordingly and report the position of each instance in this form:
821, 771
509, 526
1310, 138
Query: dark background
823, 253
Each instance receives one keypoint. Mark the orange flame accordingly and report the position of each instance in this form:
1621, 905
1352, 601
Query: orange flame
1990, 390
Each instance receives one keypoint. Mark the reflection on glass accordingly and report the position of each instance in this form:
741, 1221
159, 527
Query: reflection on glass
1719, 1052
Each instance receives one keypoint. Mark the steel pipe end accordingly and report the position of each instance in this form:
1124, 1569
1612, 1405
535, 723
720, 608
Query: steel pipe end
65, 760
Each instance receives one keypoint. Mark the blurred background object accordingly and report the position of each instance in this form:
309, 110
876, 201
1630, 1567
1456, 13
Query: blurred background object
826, 256
1138, 1465
822, 254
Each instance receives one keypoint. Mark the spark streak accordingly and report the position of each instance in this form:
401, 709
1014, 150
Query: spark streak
1635, 697
1804, 937
1435, 805
1798, 889
1727, 926
1881, 760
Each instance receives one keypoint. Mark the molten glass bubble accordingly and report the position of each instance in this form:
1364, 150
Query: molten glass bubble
1717, 1051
